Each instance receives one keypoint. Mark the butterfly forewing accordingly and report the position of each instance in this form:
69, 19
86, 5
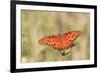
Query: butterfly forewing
53, 41
69, 37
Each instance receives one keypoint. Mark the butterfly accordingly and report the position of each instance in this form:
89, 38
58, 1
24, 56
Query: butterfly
61, 42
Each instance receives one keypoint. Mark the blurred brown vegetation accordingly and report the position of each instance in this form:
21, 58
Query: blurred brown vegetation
37, 24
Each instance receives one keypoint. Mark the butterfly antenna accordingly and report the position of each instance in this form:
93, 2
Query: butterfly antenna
67, 53
62, 53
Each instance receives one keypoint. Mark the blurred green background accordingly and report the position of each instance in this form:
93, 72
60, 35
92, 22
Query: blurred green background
38, 24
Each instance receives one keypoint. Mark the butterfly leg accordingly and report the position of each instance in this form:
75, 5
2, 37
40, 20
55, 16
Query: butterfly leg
62, 53
67, 53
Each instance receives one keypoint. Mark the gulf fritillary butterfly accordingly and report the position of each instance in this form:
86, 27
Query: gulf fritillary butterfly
61, 42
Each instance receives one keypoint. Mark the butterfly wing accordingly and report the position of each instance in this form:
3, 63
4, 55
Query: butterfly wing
53, 41
68, 38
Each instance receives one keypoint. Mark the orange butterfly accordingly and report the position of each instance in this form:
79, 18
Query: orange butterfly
61, 42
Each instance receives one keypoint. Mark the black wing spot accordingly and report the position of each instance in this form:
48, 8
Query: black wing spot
48, 40
51, 36
54, 44
70, 40
69, 33
72, 36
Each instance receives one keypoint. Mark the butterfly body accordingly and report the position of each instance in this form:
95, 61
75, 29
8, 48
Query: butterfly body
61, 42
